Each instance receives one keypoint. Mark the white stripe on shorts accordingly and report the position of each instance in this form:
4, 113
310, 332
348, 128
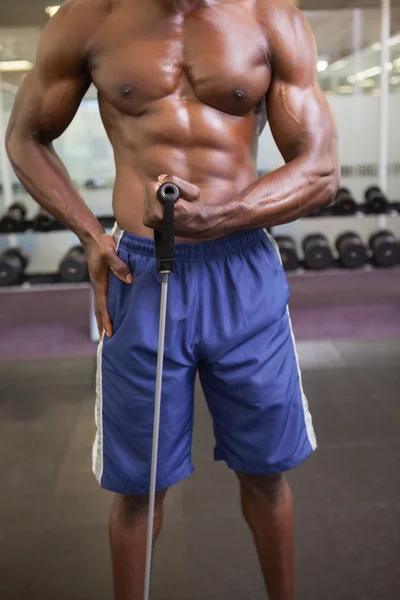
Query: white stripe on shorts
307, 415
97, 454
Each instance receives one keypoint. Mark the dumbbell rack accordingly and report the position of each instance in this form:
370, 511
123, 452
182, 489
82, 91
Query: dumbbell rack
341, 211
107, 222
51, 281
362, 210
46, 279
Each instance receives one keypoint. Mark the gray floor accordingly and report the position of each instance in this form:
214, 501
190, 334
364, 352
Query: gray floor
53, 517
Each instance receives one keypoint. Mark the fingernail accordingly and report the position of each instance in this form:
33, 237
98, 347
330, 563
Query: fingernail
129, 278
161, 178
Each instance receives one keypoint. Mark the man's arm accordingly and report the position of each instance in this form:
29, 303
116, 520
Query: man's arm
304, 131
44, 107
303, 128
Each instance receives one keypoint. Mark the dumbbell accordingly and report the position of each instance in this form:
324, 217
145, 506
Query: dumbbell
317, 253
73, 267
13, 263
352, 252
17, 187
95, 184
288, 252
14, 217
376, 201
44, 221
344, 203
385, 249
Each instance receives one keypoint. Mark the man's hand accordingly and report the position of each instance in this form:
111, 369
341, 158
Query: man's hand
101, 255
193, 218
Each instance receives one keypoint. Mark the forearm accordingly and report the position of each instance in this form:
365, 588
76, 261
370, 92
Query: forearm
47, 181
290, 192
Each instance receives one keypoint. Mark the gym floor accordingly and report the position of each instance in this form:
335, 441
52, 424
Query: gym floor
53, 519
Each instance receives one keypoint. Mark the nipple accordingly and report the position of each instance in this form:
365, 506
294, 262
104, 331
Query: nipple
239, 94
125, 90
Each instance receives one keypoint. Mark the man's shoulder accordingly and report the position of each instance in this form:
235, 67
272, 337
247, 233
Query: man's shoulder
288, 7
65, 41
83, 10
277, 14
284, 25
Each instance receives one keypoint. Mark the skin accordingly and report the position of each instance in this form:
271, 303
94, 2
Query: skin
190, 113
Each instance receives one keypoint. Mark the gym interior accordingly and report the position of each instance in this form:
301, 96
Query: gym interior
343, 267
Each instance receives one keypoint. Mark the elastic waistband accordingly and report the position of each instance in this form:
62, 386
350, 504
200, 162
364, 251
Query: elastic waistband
237, 242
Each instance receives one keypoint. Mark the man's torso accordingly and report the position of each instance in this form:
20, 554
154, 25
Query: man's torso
180, 93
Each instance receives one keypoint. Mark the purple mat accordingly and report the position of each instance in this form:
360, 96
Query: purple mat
336, 305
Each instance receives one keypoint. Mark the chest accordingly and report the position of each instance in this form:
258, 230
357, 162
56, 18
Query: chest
215, 57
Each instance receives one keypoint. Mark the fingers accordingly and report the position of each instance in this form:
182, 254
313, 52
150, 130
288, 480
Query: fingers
102, 316
153, 209
118, 267
103, 325
189, 191
99, 325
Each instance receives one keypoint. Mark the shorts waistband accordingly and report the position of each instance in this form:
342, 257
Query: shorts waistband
225, 246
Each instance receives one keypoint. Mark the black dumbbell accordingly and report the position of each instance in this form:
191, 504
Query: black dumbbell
385, 249
13, 219
73, 267
317, 253
288, 252
17, 187
13, 263
95, 184
376, 201
352, 252
344, 203
43, 221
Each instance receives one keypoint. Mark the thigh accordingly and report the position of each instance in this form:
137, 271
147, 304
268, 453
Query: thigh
252, 380
261, 418
127, 365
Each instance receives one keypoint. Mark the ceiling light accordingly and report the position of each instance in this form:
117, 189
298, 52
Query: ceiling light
322, 64
368, 83
372, 72
339, 64
15, 65
395, 79
51, 10
345, 89
394, 40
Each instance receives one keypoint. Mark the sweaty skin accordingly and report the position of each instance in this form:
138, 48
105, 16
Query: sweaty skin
183, 86
184, 89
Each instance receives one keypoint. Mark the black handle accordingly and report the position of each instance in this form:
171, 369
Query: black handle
168, 194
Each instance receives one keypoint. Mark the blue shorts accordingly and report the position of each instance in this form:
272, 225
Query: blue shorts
227, 319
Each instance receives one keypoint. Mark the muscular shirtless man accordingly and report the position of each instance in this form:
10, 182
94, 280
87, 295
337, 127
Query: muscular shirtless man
183, 86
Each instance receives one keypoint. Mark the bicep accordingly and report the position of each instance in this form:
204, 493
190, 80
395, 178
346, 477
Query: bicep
300, 119
52, 91
44, 109
298, 112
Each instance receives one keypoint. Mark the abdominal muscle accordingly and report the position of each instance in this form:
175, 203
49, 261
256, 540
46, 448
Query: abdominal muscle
128, 197
220, 161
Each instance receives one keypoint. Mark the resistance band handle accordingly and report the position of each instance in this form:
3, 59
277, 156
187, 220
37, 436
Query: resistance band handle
168, 194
